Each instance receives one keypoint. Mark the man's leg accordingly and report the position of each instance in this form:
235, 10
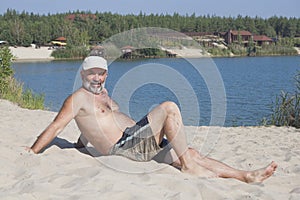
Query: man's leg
166, 119
225, 171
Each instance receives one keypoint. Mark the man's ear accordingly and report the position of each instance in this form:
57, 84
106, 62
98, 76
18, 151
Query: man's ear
82, 74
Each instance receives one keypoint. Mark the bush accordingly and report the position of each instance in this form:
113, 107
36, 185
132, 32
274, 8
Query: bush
11, 89
286, 108
275, 50
238, 50
70, 53
219, 52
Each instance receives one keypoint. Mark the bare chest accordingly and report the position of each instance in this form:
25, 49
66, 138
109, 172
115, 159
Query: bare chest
100, 104
102, 108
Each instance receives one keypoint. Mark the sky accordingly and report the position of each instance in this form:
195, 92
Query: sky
233, 8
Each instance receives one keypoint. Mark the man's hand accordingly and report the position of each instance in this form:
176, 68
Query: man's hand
29, 150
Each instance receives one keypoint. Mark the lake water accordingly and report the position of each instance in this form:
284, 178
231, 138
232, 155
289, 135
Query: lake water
219, 91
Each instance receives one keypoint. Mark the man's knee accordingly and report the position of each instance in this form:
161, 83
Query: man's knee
170, 106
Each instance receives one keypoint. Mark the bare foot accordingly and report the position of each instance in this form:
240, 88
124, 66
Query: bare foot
261, 174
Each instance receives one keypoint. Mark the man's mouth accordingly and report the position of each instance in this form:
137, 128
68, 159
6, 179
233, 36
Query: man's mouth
98, 84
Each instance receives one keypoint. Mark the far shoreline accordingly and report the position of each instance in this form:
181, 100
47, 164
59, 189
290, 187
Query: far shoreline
43, 54
41, 60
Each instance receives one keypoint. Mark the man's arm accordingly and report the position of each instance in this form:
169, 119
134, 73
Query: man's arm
114, 105
65, 115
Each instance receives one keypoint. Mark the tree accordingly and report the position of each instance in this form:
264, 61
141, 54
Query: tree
6, 71
24, 28
291, 28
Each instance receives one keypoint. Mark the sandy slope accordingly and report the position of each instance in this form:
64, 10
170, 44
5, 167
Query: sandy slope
31, 53
62, 172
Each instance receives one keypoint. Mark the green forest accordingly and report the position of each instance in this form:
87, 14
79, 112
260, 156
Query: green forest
85, 28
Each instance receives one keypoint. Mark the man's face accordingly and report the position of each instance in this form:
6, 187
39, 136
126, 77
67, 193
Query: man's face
94, 79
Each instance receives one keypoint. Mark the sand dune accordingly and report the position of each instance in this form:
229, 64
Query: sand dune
23, 54
62, 172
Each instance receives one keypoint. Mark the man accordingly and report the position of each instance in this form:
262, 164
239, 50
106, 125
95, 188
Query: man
113, 133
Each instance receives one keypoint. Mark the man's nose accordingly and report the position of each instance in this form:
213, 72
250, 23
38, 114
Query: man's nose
98, 77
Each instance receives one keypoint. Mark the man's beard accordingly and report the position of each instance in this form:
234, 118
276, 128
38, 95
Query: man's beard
93, 89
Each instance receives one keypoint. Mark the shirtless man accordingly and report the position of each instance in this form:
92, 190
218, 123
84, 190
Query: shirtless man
114, 133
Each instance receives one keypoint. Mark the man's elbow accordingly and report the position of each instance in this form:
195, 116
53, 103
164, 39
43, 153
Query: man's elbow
34, 149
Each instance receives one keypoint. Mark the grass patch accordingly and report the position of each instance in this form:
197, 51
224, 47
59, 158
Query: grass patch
14, 92
286, 108
11, 89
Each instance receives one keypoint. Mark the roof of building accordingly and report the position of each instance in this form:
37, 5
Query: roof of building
245, 33
127, 47
261, 38
60, 39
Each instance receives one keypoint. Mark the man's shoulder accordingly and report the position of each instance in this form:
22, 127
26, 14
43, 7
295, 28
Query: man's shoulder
79, 93
76, 100
77, 96
81, 96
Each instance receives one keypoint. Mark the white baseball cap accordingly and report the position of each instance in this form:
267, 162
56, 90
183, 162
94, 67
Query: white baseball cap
94, 62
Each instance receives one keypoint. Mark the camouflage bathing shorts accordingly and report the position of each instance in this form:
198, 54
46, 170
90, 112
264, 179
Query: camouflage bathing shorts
138, 142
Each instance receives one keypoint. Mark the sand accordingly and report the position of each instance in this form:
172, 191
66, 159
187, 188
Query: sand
63, 172
31, 54
42, 54
298, 50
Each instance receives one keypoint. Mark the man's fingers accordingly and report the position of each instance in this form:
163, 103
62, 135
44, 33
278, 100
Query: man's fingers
28, 149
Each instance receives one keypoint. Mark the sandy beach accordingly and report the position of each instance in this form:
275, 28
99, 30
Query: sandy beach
63, 172
43, 54
31, 54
